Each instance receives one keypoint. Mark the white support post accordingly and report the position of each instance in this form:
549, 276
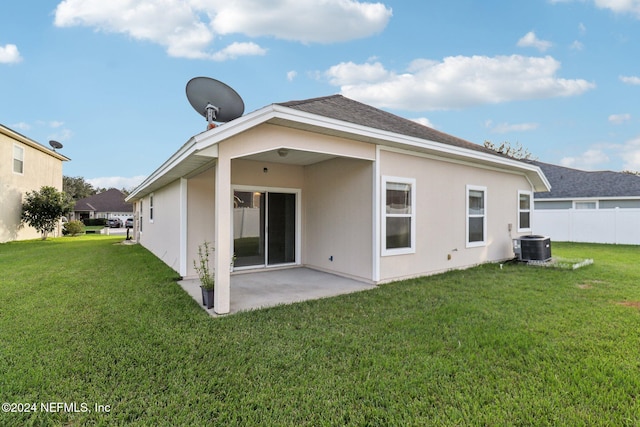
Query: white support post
222, 292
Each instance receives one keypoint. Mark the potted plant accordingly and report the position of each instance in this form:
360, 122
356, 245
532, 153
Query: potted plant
207, 279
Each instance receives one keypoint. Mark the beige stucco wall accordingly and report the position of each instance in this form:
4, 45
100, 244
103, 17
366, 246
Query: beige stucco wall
338, 209
201, 215
278, 175
339, 217
40, 169
441, 214
162, 235
267, 137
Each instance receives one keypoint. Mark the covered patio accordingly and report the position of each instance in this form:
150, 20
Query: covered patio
268, 288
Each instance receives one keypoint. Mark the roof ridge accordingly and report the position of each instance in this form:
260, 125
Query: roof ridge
296, 102
342, 108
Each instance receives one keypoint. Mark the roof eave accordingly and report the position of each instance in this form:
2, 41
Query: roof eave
293, 118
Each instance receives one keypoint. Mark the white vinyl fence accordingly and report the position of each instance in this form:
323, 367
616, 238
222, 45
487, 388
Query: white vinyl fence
620, 226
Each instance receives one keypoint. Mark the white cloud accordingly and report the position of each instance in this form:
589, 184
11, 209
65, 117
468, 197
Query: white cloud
617, 6
61, 134
630, 153
618, 119
582, 29
350, 73
21, 126
187, 28
630, 80
424, 122
530, 40
620, 6
513, 127
9, 54
576, 45
118, 182
234, 50
455, 82
291, 75
597, 156
589, 160
307, 21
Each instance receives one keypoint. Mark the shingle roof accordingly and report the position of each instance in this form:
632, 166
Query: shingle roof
341, 108
111, 200
567, 183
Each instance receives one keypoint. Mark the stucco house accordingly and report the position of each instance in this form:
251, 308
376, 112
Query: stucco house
108, 204
588, 206
25, 166
334, 185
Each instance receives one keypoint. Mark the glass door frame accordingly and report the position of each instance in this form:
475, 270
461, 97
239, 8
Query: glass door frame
298, 224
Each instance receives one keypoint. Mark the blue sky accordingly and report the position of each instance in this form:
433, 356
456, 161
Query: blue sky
107, 78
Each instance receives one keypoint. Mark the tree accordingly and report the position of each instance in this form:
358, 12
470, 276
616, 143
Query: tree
517, 152
42, 209
77, 188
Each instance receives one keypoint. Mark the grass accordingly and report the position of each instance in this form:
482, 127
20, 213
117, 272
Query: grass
88, 320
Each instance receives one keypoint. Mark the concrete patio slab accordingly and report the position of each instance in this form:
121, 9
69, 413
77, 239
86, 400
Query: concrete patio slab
255, 290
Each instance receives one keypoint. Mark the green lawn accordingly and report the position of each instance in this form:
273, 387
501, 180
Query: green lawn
89, 321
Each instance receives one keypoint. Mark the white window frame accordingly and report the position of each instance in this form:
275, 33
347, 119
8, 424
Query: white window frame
14, 158
151, 208
384, 215
469, 216
529, 211
141, 215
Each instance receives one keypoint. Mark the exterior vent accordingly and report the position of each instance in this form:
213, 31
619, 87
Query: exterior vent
532, 248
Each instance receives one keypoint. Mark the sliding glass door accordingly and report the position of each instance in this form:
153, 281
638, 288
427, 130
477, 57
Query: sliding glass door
264, 228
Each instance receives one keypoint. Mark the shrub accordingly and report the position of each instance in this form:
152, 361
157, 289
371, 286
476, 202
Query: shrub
73, 228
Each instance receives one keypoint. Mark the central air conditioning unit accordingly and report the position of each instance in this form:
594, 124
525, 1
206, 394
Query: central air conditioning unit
532, 248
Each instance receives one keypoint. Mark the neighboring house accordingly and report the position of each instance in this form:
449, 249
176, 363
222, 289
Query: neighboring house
108, 204
334, 185
586, 206
25, 166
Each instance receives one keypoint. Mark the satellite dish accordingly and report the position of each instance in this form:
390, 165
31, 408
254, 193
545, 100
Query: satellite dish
55, 145
216, 101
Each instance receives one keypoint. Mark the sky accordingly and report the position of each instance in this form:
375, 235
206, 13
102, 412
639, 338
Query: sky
107, 78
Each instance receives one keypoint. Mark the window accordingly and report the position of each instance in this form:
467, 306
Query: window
524, 210
18, 159
476, 216
586, 205
151, 208
398, 222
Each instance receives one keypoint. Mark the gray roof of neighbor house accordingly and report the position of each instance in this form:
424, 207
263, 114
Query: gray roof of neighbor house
111, 200
567, 183
341, 108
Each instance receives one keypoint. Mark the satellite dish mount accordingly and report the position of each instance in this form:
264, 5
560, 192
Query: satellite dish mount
212, 114
214, 100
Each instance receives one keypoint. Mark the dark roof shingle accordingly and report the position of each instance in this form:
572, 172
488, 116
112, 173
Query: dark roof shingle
111, 200
567, 183
341, 108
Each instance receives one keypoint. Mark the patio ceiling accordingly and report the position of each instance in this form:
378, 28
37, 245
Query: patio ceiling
290, 157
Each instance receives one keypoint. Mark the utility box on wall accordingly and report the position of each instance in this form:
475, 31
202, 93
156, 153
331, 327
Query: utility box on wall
532, 248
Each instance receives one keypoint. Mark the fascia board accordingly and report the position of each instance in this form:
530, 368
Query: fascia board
387, 138
201, 142
176, 158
